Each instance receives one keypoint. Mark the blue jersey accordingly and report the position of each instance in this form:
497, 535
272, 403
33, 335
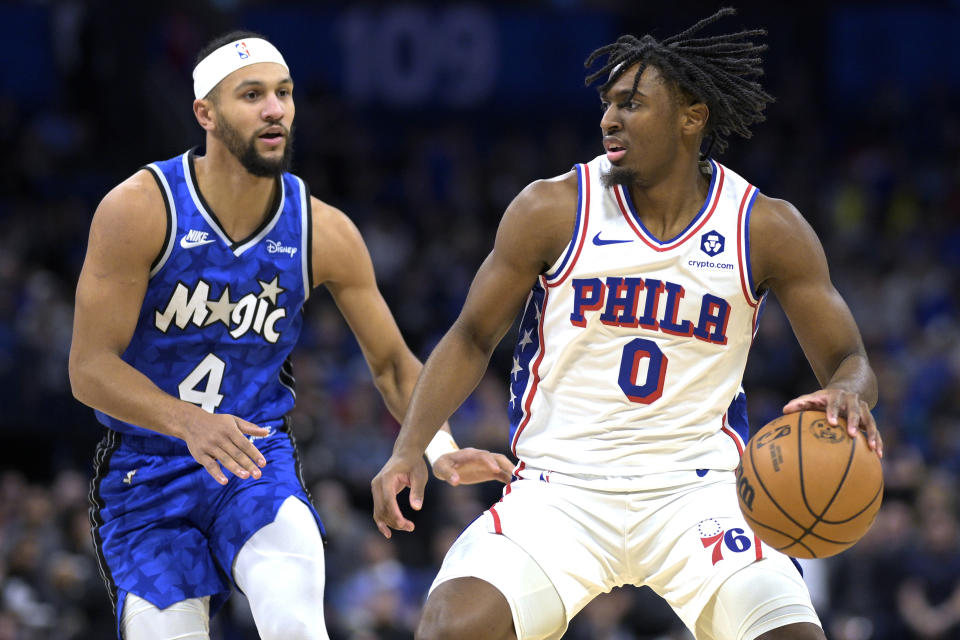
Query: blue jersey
220, 316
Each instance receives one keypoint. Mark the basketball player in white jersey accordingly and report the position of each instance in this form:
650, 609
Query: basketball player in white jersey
639, 277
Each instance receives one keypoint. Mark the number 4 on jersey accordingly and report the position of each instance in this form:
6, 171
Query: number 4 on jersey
209, 398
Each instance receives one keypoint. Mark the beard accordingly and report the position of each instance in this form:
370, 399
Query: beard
618, 176
246, 151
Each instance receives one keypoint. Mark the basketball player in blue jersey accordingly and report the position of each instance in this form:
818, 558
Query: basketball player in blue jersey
187, 308
638, 277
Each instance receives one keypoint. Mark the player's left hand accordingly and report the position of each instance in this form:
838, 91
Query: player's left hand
838, 402
399, 472
471, 466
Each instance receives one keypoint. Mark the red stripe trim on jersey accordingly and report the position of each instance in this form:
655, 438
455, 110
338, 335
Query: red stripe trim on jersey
655, 244
741, 241
496, 521
516, 474
535, 369
585, 218
756, 543
737, 440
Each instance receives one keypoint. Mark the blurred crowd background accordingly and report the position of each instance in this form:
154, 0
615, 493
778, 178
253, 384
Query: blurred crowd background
422, 121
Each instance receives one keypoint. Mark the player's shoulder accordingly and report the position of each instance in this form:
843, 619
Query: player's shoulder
131, 222
337, 246
547, 195
774, 217
781, 239
137, 193
330, 224
773, 220
135, 204
540, 221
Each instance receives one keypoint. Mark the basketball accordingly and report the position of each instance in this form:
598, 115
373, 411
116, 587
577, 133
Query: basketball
806, 487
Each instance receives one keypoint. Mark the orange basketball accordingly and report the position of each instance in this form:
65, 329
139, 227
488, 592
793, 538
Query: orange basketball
806, 487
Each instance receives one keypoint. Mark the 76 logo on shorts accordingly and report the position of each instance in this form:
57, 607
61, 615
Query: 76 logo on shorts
711, 533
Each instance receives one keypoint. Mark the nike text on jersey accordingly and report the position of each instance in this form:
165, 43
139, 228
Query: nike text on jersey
195, 238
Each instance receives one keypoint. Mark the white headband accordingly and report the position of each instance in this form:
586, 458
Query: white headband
230, 57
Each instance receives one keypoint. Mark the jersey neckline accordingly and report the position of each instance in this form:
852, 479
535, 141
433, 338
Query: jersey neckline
625, 202
236, 246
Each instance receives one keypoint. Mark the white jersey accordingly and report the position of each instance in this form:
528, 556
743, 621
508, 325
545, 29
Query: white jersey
631, 349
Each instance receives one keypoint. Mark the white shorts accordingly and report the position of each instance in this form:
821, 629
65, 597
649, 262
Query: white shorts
683, 541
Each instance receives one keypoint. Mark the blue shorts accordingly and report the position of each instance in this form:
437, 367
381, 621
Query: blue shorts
166, 531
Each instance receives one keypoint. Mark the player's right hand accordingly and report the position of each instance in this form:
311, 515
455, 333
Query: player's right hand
399, 472
220, 439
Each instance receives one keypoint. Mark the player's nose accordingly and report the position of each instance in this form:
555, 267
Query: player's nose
610, 122
273, 109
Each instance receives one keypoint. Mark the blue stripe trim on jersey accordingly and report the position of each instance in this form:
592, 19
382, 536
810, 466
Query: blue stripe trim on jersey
576, 226
706, 203
746, 243
524, 354
171, 207
737, 416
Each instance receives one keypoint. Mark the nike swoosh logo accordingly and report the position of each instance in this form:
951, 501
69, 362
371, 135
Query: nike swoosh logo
597, 241
189, 244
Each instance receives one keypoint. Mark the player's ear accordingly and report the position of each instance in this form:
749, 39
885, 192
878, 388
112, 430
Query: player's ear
203, 109
693, 118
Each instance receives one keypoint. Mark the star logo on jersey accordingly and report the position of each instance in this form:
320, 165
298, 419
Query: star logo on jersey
711, 243
270, 290
525, 340
712, 533
195, 238
516, 368
220, 310
257, 313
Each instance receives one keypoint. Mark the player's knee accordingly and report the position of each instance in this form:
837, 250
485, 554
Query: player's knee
443, 624
293, 626
458, 610
188, 619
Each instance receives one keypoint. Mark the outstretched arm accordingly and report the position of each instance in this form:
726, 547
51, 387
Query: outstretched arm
789, 260
125, 236
342, 263
535, 229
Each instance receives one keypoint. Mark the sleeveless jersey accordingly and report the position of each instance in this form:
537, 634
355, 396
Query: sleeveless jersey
219, 317
631, 350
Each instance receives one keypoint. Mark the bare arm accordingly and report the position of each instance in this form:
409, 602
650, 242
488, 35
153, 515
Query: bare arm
789, 260
126, 234
534, 231
341, 262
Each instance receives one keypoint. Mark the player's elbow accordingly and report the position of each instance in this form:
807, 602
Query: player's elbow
79, 371
472, 338
390, 374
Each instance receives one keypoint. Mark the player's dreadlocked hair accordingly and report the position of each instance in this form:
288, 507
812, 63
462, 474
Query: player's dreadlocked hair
717, 70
